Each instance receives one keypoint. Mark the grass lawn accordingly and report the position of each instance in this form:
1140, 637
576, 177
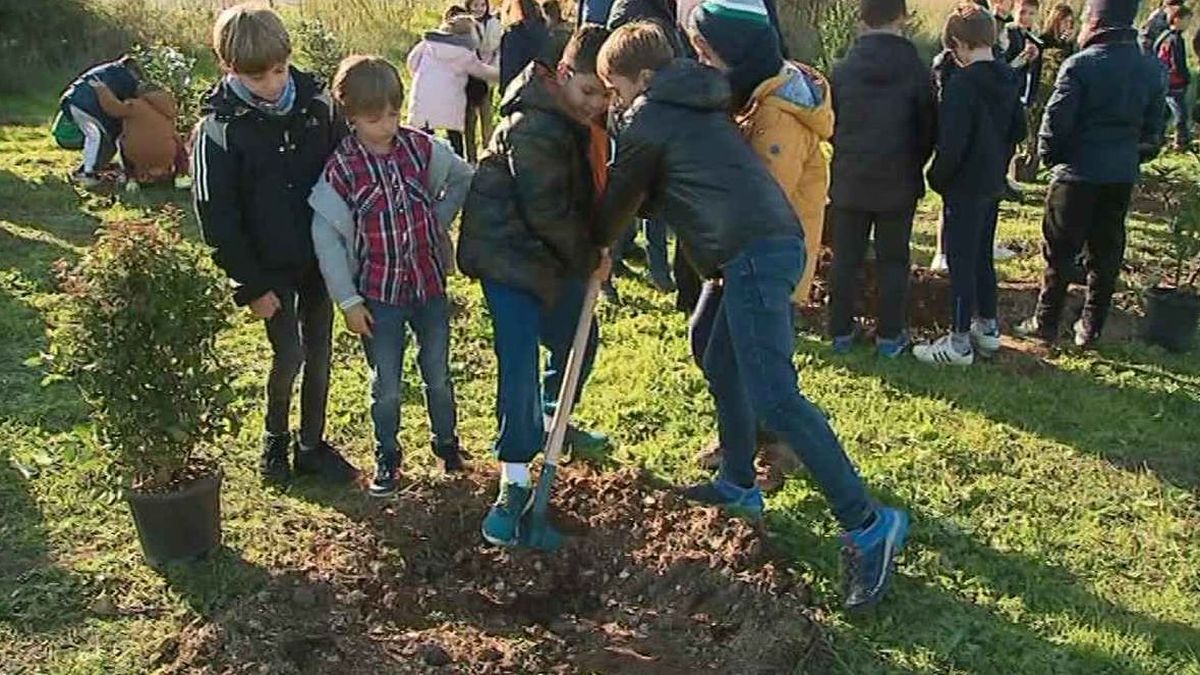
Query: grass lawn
1054, 496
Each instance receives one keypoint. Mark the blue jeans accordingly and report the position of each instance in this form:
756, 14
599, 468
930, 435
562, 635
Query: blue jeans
521, 323
968, 236
748, 363
1177, 104
430, 324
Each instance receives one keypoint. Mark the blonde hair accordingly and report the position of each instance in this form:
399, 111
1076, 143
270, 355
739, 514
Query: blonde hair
250, 38
367, 85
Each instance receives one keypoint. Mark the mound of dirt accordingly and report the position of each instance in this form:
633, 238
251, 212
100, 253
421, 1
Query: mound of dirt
930, 301
645, 584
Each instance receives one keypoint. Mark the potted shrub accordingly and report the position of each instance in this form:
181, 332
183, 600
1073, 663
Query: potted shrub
1173, 306
137, 332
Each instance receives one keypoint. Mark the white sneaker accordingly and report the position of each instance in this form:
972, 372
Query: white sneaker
939, 263
1001, 253
942, 352
986, 343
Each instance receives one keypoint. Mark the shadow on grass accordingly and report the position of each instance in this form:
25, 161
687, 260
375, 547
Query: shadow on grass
36, 594
208, 584
923, 617
1129, 426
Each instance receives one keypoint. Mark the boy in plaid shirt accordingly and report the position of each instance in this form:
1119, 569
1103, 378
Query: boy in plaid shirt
382, 210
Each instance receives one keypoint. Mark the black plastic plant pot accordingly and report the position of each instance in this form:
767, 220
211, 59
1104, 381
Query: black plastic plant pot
1171, 318
178, 526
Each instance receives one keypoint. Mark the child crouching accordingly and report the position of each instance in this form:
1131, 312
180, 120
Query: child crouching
380, 218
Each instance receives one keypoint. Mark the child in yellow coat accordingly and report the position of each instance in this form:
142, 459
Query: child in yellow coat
784, 109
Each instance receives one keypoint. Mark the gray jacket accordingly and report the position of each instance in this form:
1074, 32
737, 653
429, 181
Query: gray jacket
333, 226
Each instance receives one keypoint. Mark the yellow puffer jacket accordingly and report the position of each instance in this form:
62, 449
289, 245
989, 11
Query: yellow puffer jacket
788, 135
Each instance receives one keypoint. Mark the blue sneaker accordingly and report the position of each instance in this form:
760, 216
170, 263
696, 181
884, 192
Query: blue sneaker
869, 557
746, 502
842, 344
501, 526
890, 349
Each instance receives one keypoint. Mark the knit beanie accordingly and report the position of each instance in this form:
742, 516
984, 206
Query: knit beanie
740, 32
1113, 13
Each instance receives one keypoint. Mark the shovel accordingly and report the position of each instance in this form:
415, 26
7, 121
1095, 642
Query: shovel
536, 531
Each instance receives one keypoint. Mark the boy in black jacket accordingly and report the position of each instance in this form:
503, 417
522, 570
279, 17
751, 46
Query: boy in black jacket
1106, 116
886, 119
1171, 49
260, 147
734, 223
980, 122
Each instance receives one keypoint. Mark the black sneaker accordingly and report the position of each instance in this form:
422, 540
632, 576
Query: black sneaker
384, 484
450, 458
274, 467
325, 462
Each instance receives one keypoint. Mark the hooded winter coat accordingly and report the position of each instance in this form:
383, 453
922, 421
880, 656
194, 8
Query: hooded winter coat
525, 220
886, 111
1107, 112
440, 64
786, 120
681, 158
980, 123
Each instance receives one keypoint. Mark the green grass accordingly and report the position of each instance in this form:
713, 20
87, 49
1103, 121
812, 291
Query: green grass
1055, 501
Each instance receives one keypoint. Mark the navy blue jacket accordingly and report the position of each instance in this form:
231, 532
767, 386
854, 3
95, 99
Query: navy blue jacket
120, 80
980, 123
1107, 112
521, 44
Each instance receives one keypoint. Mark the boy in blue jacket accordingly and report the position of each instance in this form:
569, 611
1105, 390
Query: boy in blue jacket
1104, 118
979, 124
100, 130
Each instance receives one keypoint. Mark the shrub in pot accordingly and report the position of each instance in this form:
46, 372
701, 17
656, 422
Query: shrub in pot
1173, 306
138, 332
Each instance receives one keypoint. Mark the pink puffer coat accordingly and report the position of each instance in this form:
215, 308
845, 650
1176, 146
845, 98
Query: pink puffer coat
440, 65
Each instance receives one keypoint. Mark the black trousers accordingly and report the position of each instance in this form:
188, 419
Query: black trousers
851, 234
301, 334
1087, 217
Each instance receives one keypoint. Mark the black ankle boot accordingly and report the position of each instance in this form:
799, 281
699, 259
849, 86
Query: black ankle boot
274, 466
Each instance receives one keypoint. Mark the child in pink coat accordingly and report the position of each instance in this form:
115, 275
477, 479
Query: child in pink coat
440, 64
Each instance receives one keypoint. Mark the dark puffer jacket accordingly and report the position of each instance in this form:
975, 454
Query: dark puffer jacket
979, 125
885, 124
252, 175
525, 220
1106, 114
681, 158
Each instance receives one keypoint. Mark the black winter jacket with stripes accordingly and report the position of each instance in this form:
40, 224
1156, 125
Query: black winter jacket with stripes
252, 175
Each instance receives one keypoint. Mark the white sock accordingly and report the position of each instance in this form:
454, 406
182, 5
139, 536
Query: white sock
514, 472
